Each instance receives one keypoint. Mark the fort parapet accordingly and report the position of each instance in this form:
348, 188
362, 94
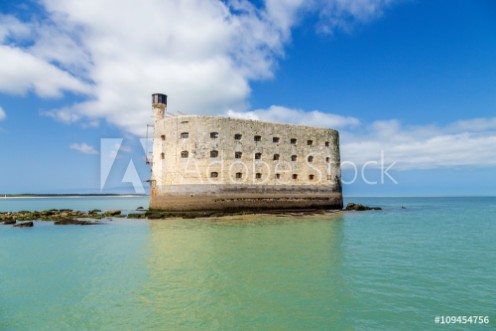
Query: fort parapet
220, 163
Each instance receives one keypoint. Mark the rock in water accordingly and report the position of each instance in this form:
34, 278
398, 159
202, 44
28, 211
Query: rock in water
70, 221
112, 212
359, 207
9, 222
24, 225
135, 215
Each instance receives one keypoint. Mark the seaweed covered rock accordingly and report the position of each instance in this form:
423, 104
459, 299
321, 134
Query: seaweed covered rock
136, 215
24, 225
359, 207
70, 221
112, 213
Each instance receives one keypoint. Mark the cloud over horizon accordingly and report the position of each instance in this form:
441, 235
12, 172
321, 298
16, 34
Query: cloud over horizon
296, 116
458, 144
204, 54
84, 149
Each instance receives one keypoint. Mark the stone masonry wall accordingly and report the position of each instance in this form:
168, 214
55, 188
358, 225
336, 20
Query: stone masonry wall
208, 159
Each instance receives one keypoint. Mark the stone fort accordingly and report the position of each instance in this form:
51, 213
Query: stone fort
218, 163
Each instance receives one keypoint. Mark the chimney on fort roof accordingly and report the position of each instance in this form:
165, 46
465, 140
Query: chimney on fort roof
159, 104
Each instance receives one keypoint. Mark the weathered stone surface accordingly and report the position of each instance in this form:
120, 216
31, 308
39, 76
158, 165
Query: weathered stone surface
358, 207
266, 165
24, 225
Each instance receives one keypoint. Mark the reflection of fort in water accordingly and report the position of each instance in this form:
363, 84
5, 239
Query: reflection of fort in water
208, 271
209, 162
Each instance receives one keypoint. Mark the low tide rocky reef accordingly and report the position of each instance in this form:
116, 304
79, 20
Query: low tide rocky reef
25, 218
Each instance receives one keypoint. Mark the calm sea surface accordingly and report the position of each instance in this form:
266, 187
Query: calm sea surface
394, 269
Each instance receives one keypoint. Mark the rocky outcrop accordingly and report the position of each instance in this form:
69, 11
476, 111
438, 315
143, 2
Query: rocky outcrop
136, 215
45, 215
9, 221
24, 225
70, 221
112, 213
358, 207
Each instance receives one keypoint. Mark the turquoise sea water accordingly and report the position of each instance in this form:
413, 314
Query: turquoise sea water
394, 269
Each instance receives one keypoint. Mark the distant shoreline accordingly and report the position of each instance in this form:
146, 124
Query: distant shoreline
69, 196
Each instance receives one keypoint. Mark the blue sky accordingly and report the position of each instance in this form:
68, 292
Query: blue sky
413, 80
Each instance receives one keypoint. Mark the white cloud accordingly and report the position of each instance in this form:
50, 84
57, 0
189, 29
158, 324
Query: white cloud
458, 144
84, 148
21, 72
11, 27
344, 14
296, 116
204, 54
64, 115
463, 143
2, 114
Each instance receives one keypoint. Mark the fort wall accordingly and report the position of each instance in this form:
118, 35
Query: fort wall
220, 163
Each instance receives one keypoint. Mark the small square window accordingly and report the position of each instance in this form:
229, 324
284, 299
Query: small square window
257, 138
295, 176
258, 175
184, 135
276, 157
293, 141
310, 158
327, 144
237, 155
237, 136
214, 174
328, 159
214, 153
239, 175
309, 142
214, 135
258, 156
294, 157
162, 156
311, 177
184, 154
275, 139
162, 137
278, 176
